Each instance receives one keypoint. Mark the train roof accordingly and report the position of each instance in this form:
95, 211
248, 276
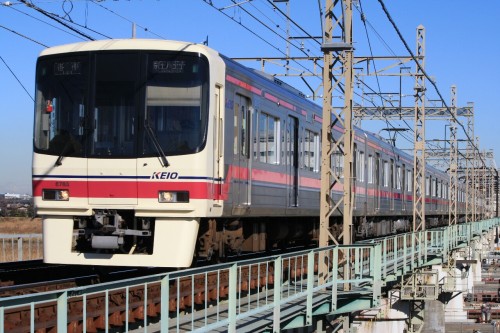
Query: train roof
129, 44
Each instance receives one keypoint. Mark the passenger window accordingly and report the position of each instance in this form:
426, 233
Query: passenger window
359, 165
385, 174
268, 139
398, 177
311, 151
370, 169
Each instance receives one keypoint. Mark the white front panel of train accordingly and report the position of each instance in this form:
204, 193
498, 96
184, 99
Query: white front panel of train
112, 181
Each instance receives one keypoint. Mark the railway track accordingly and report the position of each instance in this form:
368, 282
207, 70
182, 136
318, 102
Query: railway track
23, 278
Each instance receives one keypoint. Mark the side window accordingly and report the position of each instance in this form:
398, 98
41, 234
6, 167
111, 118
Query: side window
311, 151
409, 181
398, 177
241, 126
244, 131
255, 135
268, 139
338, 161
403, 179
361, 166
236, 127
393, 175
385, 174
370, 169
355, 163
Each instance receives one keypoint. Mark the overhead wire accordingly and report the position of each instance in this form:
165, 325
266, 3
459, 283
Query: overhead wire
210, 3
363, 19
83, 26
15, 76
55, 18
311, 38
366, 21
389, 124
271, 29
339, 87
47, 23
24, 36
221, 10
379, 93
96, 2
428, 77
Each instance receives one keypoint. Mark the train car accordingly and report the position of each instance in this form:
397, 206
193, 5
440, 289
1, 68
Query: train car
154, 152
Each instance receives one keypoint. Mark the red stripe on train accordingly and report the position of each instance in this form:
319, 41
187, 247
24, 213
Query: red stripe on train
126, 189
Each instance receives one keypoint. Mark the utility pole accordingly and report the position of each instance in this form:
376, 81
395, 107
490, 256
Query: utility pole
452, 219
469, 169
344, 143
419, 141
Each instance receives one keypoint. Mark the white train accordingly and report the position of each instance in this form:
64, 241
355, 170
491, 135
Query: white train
153, 152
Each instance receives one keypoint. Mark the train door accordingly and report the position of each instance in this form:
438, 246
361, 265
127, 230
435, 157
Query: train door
392, 185
403, 188
242, 185
355, 174
292, 160
376, 192
218, 162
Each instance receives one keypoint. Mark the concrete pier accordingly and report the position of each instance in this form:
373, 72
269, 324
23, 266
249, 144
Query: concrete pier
467, 302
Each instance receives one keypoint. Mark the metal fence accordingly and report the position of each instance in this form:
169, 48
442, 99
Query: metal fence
19, 247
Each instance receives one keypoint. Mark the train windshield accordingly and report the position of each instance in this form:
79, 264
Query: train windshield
176, 94
60, 105
127, 104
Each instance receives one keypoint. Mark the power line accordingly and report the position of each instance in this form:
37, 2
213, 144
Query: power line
55, 18
83, 26
365, 22
13, 74
51, 25
96, 2
19, 34
379, 93
272, 30
427, 76
209, 2
293, 22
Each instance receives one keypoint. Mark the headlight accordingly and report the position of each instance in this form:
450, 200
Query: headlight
173, 196
55, 195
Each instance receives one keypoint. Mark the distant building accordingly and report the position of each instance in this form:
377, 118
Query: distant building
11, 196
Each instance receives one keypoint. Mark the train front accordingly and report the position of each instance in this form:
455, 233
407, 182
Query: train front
124, 162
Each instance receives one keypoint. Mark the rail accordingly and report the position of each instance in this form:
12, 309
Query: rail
273, 293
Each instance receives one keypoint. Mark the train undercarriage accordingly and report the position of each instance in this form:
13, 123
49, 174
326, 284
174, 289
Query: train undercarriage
121, 232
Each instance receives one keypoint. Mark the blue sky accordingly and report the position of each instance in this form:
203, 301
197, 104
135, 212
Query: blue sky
462, 49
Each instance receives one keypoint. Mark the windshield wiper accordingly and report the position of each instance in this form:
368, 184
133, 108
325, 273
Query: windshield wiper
156, 144
59, 159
